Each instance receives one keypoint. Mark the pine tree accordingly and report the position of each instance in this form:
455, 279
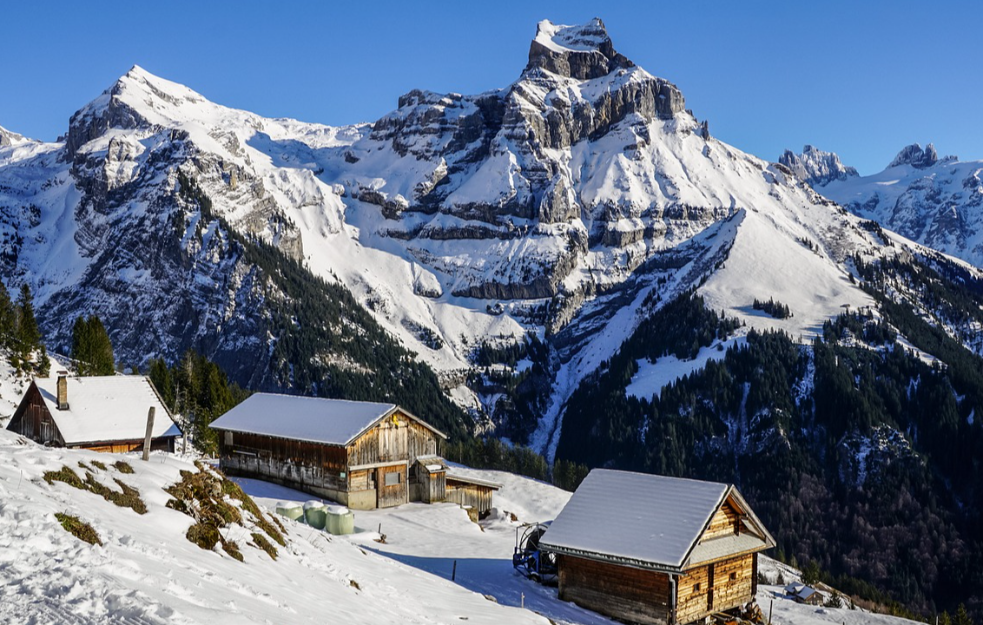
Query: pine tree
962, 616
91, 348
28, 335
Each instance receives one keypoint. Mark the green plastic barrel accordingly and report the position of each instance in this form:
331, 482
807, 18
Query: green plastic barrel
291, 509
341, 520
316, 514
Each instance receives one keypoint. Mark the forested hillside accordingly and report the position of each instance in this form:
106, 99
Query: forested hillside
859, 453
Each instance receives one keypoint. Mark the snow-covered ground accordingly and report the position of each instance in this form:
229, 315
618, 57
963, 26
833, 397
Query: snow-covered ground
146, 572
652, 377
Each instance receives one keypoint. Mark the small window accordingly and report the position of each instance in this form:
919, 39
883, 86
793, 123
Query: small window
696, 587
228, 438
392, 479
733, 576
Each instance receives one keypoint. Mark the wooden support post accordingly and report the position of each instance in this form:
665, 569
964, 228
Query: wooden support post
771, 605
454, 571
150, 432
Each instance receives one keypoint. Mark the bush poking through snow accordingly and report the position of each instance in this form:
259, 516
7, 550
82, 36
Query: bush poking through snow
123, 467
129, 497
78, 528
65, 475
206, 496
261, 542
99, 465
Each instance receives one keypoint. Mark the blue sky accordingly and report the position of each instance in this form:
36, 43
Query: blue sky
860, 79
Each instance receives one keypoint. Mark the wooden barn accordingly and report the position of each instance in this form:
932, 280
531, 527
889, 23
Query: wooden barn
656, 550
102, 413
362, 454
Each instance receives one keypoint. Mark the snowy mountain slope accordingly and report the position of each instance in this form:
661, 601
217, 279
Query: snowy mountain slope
936, 202
146, 571
567, 206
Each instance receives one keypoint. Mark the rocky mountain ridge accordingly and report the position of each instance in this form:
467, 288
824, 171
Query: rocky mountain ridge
934, 201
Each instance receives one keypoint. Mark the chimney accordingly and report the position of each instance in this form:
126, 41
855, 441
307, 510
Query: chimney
62, 390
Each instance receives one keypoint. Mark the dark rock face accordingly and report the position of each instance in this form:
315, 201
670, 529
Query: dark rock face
915, 156
588, 51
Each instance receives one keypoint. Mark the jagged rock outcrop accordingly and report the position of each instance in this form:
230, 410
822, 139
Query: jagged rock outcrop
934, 201
816, 167
915, 156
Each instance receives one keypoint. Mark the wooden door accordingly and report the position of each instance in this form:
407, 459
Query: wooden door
391, 486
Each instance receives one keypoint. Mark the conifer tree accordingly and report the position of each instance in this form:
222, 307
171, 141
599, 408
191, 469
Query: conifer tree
27, 335
91, 348
962, 616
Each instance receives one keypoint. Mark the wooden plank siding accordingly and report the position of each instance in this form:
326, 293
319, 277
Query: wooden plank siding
725, 522
478, 497
626, 593
120, 447
715, 587
33, 420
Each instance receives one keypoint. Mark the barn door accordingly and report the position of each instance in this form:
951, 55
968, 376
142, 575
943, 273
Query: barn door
390, 486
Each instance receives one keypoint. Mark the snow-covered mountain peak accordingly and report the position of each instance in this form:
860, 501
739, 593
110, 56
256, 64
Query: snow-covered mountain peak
816, 167
915, 156
9, 138
582, 51
578, 38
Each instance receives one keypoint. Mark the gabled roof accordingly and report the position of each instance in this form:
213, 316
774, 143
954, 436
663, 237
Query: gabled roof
646, 521
311, 419
106, 408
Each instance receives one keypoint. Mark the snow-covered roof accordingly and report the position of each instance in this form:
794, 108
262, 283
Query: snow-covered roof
312, 419
456, 477
659, 520
106, 408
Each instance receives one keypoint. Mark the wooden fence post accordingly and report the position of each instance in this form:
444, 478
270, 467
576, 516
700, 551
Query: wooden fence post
150, 432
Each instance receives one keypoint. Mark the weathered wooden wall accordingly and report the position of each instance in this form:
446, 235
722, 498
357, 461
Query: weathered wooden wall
299, 463
622, 592
715, 587
725, 522
474, 495
404, 439
33, 420
120, 447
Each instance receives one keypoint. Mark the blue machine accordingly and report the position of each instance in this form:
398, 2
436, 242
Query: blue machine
529, 559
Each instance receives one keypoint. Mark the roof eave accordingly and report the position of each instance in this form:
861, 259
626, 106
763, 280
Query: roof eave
613, 559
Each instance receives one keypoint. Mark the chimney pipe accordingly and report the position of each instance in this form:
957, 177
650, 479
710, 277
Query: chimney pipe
62, 390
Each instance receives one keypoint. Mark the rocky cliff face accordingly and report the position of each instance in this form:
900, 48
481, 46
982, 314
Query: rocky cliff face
816, 167
915, 156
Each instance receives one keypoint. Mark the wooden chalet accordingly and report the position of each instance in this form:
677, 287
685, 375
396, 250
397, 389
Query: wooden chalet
101, 413
362, 454
656, 550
